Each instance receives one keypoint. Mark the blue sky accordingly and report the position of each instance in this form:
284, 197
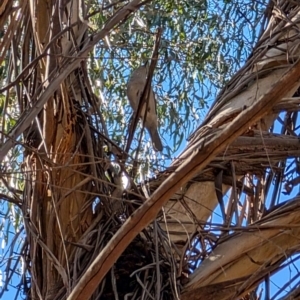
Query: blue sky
277, 280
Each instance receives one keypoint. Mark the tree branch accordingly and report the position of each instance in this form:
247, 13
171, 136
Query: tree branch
204, 152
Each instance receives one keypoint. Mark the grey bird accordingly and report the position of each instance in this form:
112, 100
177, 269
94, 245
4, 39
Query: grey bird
135, 87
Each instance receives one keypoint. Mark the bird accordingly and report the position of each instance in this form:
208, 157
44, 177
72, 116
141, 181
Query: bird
135, 87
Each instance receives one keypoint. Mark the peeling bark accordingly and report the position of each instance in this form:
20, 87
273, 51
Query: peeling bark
249, 255
59, 212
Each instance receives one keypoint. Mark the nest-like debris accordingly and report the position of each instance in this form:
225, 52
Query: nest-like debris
147, 267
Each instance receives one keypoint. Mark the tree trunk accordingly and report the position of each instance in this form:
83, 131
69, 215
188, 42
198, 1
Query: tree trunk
82, 242
60, 210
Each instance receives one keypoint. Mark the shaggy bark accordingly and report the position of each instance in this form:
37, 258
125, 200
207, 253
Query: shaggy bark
59, 212
72, 248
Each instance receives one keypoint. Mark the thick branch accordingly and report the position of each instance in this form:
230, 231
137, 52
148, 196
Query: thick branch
205, 151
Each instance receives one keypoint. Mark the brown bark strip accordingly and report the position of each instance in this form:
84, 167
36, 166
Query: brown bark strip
205, 151
3, 6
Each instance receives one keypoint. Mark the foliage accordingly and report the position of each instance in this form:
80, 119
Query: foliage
204, 43
201, 48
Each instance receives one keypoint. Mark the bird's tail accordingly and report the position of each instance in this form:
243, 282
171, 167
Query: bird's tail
156, 141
